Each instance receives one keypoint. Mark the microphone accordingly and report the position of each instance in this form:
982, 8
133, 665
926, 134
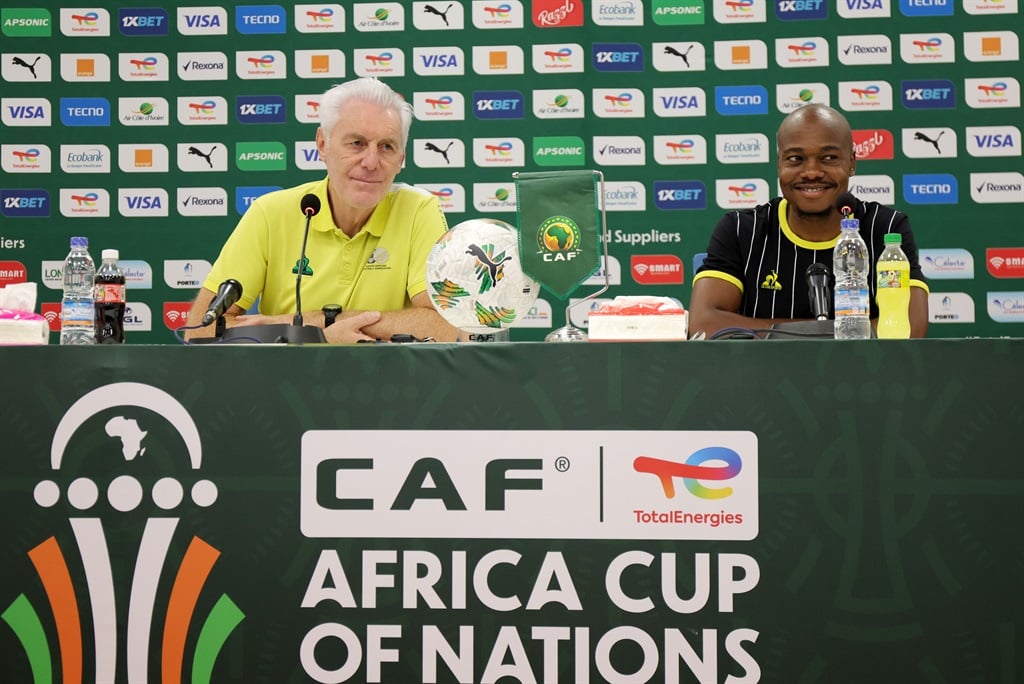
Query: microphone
818, 290
229, 292
846, 204
310, 205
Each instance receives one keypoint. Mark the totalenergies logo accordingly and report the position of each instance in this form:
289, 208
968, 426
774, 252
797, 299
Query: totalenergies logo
324, 16
804, 49
684, 146
382, 59
442, 103
498, 11
264, 62
141, 629
620, 100
693, 470
740, 5
88, 19
930, 45
89, 199
869, 93
747, 190
146, 64
997, 89
205, 108
559, 56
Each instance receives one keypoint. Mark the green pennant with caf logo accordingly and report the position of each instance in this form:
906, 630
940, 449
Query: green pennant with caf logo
558, 228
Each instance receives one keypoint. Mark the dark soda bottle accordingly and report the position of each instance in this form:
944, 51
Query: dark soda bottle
109, 298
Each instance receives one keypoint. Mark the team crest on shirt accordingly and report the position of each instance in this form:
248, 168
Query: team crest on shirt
771, 281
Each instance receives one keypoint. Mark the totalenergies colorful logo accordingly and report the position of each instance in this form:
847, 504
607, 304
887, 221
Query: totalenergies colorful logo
684, 146
381, 60
804, 49
499, 11
147, 64
264, 62
140, 629
443, 102
559, 56
740, 5
89, 199
206, 108
502, 150
869, 93
694, 470
996, 89
746, 190
88, 19
324, 15
29, 156
620, 100
930, 45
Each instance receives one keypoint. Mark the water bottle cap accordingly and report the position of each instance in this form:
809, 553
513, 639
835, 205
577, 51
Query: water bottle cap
79, 242
849, 224
111, 254
893, 239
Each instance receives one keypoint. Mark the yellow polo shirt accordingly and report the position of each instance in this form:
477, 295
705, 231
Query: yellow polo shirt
380, 269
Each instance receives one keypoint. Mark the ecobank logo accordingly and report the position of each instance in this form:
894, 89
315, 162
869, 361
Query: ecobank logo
75, 569
622, 484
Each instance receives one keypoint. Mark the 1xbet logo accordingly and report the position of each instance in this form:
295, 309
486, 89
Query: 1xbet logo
694, 470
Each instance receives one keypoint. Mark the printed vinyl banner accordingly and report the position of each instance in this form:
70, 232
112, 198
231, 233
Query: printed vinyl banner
512, 513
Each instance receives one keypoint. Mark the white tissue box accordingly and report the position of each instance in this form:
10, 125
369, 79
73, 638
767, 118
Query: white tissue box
634, 319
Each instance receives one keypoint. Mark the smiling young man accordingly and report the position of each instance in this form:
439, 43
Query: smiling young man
755, 272
367, 247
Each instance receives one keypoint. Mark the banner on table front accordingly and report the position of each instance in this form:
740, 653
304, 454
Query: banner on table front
466, 484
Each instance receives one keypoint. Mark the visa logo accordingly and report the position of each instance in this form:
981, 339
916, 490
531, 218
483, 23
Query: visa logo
202, 21
679, 102
26, 112
988, 141
863, 5
144, 202
311, 155
441, 61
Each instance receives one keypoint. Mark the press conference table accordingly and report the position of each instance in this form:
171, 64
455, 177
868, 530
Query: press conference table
888, 545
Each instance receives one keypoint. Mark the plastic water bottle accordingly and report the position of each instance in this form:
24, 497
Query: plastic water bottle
893, 296
76, 305
109, 293
852, 298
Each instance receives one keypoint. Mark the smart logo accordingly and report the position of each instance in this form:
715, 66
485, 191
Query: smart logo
143, 21
498, 104
938, 94
24, 203
618, 57
260, 109
260, 19
800, 10
741, 100
693, 471
95, 583
930, 188
84, 111
926, 8
676, 195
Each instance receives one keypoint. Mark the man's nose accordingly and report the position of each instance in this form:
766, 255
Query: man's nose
371, 158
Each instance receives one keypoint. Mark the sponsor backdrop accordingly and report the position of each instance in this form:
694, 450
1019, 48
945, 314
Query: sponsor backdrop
152, 128
513, 515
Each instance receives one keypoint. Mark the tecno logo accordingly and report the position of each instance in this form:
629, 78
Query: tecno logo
437, 484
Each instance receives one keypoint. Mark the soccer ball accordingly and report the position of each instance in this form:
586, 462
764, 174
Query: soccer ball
474, 277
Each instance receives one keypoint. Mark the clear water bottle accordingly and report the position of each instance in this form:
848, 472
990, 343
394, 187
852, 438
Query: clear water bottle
852, 297
110, 302
76, 305
893, 293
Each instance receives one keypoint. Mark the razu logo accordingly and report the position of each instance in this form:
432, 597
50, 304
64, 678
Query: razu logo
693, 470
90, 578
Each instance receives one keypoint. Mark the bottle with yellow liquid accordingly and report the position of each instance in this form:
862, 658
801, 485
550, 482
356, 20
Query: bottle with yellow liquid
893, 293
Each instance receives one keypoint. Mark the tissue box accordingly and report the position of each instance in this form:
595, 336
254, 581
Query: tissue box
648, 319
23, 327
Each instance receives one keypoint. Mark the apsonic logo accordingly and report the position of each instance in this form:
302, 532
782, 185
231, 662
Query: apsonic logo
99, 587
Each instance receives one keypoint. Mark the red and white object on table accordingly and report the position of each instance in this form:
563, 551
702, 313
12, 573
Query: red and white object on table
638, 319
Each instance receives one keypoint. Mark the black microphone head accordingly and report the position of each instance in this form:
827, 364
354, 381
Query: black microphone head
846, 204
232, 284
817, 269
310, 204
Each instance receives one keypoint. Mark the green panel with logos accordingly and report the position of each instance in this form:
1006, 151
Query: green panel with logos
148, 129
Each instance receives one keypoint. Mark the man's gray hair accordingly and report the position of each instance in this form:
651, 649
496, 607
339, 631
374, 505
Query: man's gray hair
364, 89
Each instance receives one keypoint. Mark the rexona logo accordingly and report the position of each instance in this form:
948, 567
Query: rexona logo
800, 10
23, 22
24, 203
665, 485
261, 156
566, 150
938, 94
687, 194
260, 19
930, 188
498, 104
74, 559
741, 100
260, 109
143, 21
677, 12
618, 57
997, 188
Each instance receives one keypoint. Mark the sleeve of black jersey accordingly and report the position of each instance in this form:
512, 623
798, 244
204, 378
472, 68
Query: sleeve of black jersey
724, 252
